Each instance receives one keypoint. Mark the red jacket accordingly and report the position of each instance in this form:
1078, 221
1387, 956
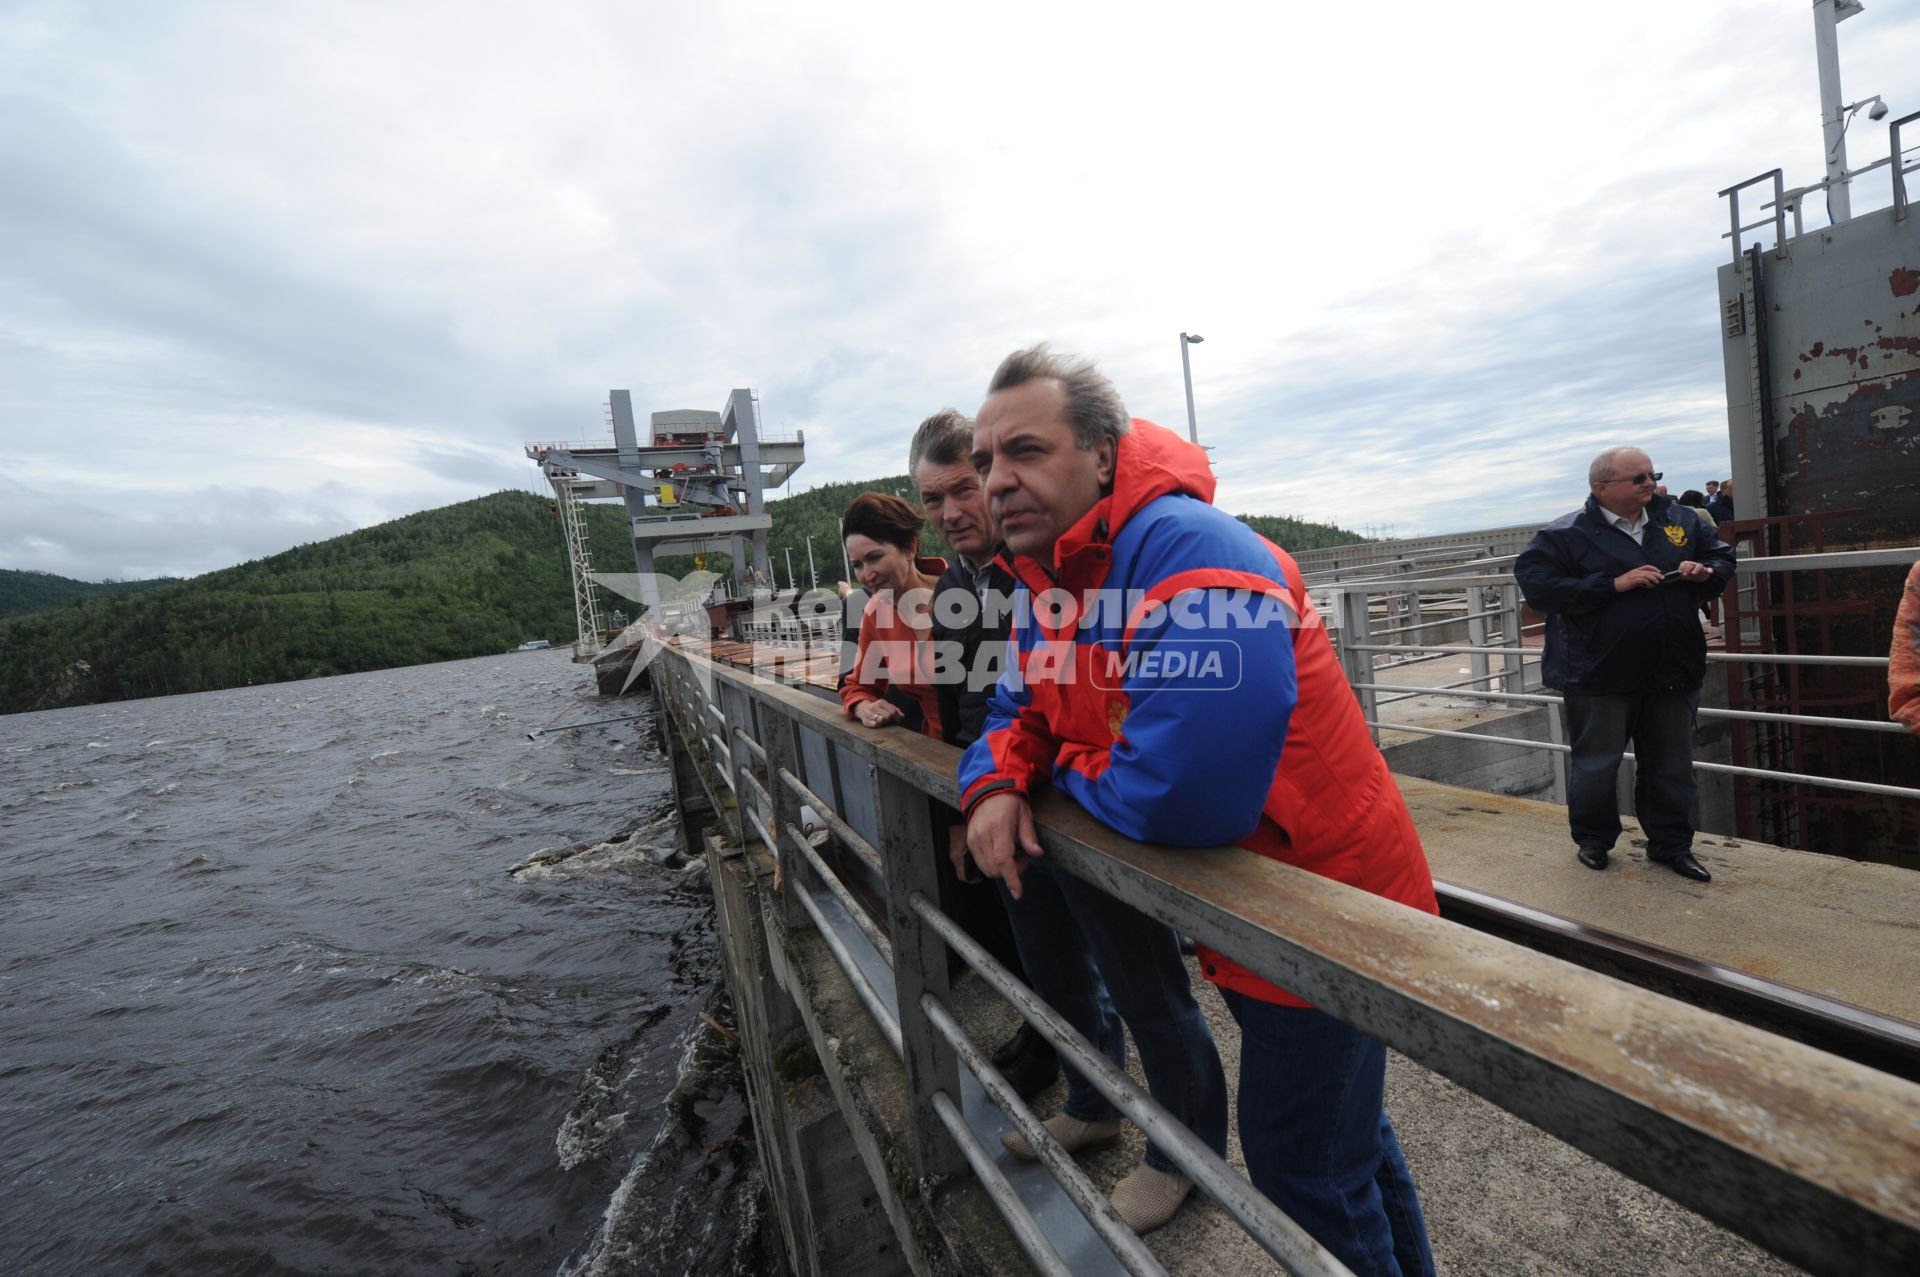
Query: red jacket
893, 655
1272, 754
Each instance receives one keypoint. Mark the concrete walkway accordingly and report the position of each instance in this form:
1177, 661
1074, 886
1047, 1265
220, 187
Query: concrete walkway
1843, 928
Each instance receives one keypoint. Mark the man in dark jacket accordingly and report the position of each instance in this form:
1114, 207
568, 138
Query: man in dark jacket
1720, 500
1621, 583
972, 615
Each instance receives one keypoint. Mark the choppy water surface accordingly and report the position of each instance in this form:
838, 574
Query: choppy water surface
271, 1002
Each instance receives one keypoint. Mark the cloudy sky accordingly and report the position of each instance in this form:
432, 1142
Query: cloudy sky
273, 271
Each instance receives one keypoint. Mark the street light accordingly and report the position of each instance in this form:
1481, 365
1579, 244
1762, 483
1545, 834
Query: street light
813, 577
1186, 374
790, 584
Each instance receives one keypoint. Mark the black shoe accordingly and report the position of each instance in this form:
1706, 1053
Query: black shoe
1685, 865
1594, 857
1014, 1047
1033, 1069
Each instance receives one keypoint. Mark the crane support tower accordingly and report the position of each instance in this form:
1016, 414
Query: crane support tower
586, 607
697, 486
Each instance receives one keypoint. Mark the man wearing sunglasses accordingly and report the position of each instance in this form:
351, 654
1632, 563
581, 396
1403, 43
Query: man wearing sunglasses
1621, 583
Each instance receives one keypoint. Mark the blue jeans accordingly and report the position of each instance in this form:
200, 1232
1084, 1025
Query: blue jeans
1660, 725
1099, 962
1318, 1142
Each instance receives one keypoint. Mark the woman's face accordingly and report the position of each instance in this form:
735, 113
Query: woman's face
881, 568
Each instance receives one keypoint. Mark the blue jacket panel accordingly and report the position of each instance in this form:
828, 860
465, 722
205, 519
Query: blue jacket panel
1604, 642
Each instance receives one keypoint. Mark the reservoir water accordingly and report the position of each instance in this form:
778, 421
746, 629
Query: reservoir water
272, 1002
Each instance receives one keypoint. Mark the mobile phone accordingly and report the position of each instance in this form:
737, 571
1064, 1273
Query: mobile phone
1670, 576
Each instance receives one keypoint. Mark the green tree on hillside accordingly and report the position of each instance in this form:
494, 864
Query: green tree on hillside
465, 580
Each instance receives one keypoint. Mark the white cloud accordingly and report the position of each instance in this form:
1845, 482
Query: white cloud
364, 247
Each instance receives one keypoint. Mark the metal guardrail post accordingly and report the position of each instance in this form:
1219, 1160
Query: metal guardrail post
738, 707
919, 967
1510, 622
782, 741
1356, 627
1477, 632
1557, 733
1897, 162
1732, 196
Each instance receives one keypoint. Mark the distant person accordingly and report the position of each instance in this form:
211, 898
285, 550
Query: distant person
972, 615
1696, 501
892, 677
1619, 583
1903, 669
1720, 500
1275, 757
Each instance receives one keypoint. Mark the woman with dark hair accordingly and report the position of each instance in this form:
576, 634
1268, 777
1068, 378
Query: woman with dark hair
892, 676
1696, 500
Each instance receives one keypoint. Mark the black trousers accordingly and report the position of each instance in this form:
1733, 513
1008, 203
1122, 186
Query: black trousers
976, 906
1660, 727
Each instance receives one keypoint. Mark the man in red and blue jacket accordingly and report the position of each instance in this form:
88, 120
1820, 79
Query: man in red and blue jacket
1170, 673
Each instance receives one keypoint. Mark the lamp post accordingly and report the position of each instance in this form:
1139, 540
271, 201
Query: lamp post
813, 576
1186, 374
789, 552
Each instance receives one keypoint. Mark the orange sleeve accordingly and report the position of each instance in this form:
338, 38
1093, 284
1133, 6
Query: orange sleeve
853, 692
1903, 668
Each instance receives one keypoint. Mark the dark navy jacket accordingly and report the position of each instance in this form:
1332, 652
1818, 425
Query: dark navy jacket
1602, 642
970, 633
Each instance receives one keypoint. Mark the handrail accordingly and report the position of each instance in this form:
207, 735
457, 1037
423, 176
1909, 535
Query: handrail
1899, 165
1811, 1156
1732, 196
1354, 621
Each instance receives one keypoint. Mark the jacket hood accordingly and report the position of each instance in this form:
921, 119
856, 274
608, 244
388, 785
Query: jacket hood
1155, 461
1152, 462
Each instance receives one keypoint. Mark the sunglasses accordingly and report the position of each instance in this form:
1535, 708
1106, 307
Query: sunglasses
1655, 477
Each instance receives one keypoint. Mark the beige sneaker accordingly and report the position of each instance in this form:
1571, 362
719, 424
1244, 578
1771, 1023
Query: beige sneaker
1074, 1135
1147, 1198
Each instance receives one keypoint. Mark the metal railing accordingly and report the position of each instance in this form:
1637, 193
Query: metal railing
1500, 632
1785, 202
1810, 1156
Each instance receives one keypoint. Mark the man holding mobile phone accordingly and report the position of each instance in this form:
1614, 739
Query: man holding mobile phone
1621, 582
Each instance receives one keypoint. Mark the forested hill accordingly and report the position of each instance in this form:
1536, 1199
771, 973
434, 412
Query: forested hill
24, 592
465, 580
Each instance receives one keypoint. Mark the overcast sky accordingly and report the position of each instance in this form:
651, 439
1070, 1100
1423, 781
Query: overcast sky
270, 272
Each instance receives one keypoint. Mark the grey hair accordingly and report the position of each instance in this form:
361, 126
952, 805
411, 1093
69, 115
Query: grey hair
1601, 469
944, 439
1094, 408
